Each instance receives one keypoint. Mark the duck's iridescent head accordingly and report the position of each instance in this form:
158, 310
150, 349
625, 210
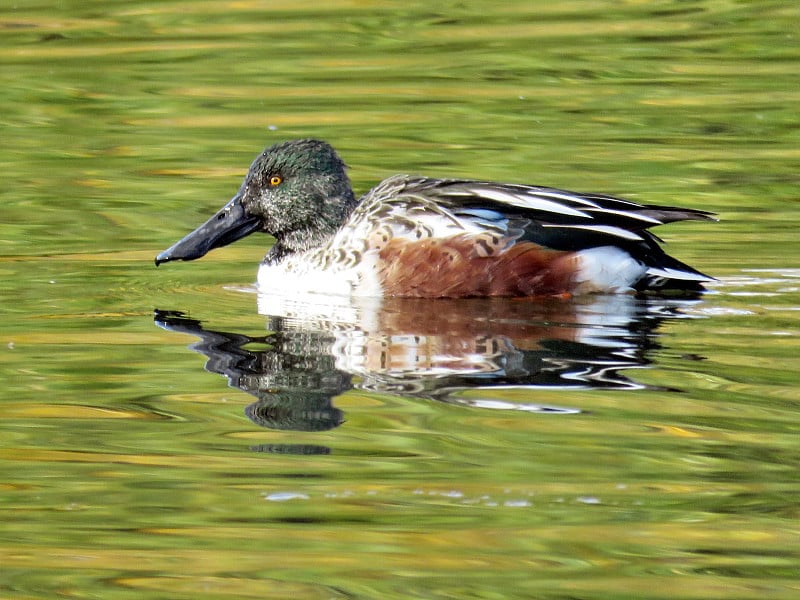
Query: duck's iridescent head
296, 191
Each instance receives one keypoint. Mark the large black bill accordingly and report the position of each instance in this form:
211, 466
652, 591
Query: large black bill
231, 223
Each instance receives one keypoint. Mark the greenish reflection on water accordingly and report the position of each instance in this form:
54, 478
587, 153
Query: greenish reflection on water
128, 472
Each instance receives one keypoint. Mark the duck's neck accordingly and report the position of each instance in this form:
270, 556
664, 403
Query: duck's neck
315, 235
293, 243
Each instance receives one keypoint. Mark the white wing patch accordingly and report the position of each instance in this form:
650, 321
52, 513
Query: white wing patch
628, 215
533, 201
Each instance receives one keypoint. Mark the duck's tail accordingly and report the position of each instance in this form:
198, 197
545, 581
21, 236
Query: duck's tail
669, 275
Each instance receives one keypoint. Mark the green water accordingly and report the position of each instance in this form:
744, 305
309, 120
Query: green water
129, 471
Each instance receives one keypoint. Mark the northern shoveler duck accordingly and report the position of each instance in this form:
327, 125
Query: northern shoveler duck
422, 237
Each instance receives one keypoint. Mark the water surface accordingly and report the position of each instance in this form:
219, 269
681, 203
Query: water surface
598, 449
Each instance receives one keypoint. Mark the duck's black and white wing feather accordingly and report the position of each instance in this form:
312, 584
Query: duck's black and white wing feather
553, 218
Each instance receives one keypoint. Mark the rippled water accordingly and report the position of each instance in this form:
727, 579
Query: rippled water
604, 448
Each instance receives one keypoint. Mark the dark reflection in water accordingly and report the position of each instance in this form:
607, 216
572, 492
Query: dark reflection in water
435, 349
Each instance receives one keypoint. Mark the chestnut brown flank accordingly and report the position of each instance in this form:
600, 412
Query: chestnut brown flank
450, 267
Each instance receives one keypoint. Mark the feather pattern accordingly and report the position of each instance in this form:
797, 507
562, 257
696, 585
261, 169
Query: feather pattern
478, 204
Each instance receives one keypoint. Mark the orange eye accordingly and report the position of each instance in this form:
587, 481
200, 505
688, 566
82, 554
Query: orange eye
275, 180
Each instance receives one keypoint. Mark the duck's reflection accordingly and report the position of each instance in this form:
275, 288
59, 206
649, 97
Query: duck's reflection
458, 351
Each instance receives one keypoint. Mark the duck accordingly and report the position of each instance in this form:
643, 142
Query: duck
423, 237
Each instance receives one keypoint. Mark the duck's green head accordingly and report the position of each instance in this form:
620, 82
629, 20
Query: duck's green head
296, 191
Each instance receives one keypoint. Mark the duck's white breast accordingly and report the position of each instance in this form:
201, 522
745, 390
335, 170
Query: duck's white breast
306, 274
